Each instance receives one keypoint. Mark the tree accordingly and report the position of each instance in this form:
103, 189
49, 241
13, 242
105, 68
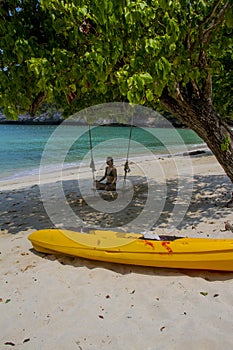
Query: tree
84, 52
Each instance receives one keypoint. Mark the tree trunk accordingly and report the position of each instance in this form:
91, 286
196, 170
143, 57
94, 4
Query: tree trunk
199, 115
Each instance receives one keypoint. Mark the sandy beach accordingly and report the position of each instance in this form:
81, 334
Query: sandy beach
59, 302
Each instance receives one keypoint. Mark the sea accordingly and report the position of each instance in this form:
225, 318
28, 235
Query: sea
23, 148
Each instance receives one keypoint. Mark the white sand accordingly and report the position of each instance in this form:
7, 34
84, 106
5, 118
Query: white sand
49, 302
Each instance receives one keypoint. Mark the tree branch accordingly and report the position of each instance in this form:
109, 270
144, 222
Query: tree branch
207, 88
193, 89
36, 103
216, 19
175, 105
211, 15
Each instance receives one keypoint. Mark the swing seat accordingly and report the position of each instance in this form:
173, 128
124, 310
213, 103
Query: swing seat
108, 195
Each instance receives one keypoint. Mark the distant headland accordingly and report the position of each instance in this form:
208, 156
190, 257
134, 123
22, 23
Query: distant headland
56, 118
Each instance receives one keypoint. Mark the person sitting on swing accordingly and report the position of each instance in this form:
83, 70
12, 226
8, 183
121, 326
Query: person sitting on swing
111, 176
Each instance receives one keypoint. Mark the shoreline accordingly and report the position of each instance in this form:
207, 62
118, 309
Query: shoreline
19, 175
60, 302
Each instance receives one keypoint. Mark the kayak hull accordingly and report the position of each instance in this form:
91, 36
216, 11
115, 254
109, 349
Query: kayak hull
133, 249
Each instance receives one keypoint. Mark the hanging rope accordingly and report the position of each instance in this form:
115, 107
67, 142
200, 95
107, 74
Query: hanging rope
92, 163
126, 166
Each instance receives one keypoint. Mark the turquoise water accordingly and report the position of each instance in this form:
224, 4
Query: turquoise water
22, 146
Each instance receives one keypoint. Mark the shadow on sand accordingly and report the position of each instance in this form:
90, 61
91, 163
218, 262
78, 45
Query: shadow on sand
23, 209
122, 269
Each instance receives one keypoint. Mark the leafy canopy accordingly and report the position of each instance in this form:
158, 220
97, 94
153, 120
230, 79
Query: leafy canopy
83, 52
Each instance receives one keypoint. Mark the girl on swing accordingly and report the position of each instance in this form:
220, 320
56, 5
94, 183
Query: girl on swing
111, 176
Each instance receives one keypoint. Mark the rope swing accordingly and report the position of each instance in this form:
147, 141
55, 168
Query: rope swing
92, 163
126, 166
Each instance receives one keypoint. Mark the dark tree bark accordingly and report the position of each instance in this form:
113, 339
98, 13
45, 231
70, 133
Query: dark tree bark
198, 113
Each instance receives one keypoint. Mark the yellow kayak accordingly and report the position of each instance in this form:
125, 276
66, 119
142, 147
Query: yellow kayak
132, 248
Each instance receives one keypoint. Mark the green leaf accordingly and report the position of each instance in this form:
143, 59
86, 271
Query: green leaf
228, 17
225, 146
172, 47
147, 78
130, 96
158, 89
149, 95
